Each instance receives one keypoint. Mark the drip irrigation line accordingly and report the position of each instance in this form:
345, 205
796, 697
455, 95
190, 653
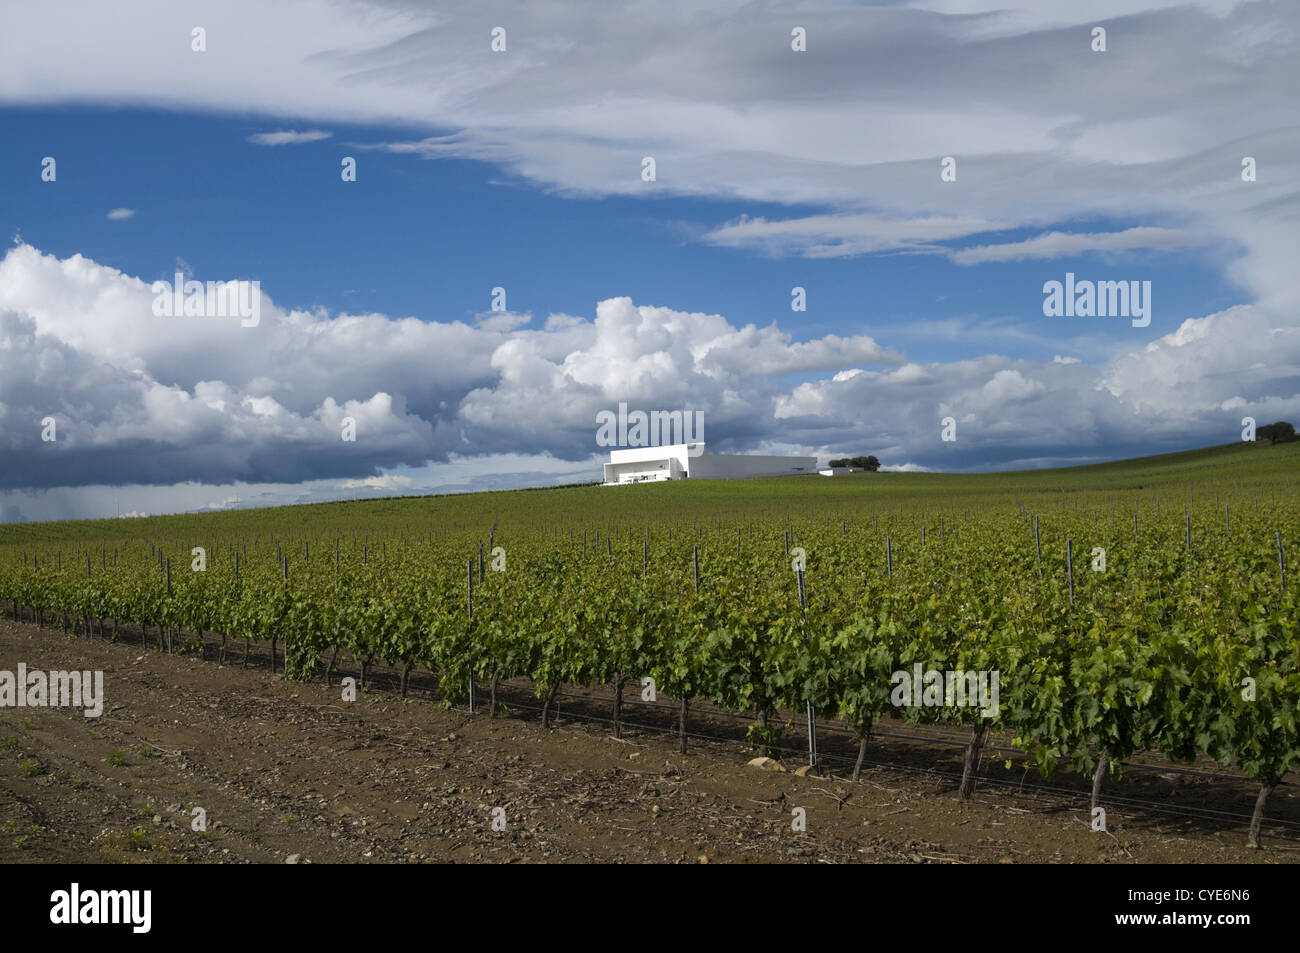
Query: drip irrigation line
797, 725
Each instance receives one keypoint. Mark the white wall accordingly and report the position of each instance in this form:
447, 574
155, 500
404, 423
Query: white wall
689, 460
664, 468
667, 462
681, 452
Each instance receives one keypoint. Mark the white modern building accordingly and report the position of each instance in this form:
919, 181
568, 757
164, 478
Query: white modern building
683, 461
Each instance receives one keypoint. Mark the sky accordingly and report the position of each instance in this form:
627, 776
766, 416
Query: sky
503, 267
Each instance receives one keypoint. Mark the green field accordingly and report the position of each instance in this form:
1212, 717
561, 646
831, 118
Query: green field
1232, 468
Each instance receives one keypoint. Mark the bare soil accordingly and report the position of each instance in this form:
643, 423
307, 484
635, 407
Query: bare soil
288, 770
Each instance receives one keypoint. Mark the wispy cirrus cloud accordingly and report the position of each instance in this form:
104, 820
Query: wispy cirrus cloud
121, 214
288, 137
1062, 244
839, 236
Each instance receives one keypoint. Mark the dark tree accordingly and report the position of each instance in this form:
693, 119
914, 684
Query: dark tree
870, 464
1282, 432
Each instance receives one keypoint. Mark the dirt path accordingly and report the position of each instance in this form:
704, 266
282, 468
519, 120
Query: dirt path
284, 768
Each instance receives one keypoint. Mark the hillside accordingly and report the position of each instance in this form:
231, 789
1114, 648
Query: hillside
1260, 466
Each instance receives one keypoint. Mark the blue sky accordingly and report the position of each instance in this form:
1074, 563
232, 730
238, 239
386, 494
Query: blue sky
521, 169
431, 239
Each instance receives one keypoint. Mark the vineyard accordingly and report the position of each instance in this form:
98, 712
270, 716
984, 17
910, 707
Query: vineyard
1126, 608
